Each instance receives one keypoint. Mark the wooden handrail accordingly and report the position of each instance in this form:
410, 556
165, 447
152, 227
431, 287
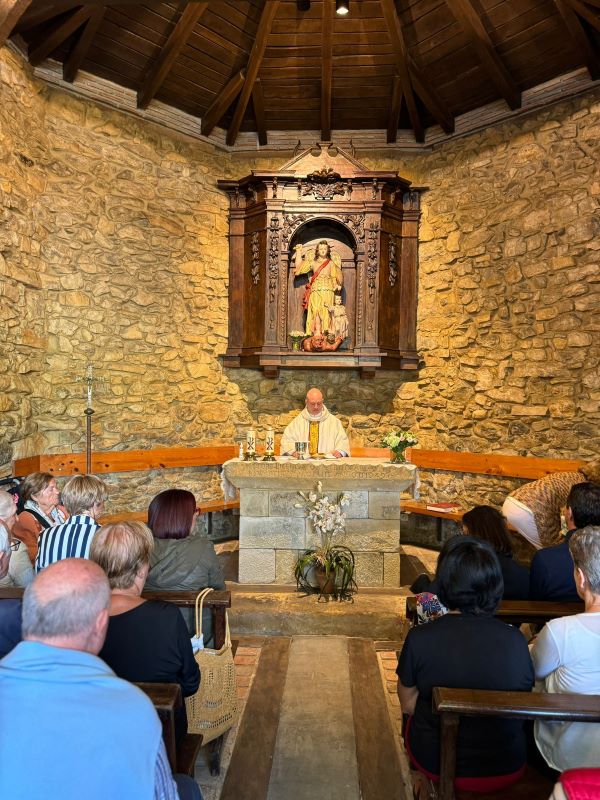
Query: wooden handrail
451, 704
207, 507
126, 460
509, 466
517, 611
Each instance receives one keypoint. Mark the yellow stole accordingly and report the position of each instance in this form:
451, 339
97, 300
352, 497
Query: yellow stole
313, 438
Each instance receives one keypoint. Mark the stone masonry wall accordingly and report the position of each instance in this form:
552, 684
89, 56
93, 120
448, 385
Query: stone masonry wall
113, 251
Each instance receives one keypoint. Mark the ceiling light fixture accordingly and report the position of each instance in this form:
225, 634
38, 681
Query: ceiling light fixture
303, 5
342, 7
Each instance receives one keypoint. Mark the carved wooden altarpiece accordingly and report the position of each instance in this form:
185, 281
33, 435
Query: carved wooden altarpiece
369, 218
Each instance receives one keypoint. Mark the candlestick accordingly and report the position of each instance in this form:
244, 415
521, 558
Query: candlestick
270, 446
89, 379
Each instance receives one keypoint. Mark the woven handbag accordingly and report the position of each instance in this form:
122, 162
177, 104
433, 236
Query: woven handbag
213, 709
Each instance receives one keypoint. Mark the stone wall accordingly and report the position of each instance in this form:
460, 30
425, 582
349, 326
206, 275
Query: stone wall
113, 251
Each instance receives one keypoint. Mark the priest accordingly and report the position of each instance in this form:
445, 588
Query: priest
315, 425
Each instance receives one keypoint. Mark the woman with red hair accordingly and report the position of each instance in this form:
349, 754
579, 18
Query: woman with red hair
181, 560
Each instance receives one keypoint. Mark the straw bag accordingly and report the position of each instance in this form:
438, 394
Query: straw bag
213, 709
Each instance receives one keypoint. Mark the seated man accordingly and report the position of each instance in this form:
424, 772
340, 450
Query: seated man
93, 734
315, 425
551, 576
83, 496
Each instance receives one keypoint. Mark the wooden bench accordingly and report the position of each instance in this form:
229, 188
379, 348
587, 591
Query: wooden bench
516, 612
451, 704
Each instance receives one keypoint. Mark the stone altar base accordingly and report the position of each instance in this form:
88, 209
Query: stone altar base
273, 531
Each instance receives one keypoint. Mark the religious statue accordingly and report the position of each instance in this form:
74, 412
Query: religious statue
320, 341
326, 279
338, 321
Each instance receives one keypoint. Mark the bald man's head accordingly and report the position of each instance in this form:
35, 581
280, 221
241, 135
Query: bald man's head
314, 402
67, 605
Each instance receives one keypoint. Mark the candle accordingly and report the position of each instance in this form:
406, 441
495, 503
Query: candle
89, 385
270, 441
251, 441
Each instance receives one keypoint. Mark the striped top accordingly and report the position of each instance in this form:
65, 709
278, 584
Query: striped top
71, 539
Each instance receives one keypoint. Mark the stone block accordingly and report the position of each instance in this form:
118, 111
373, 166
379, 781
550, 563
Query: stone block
257, 566
254, 503
384, 505
285, 561
283, 504
391, 569
277, 532
358, 505
369, 569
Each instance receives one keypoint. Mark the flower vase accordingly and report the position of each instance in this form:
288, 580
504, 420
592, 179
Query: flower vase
326, 584
397, 456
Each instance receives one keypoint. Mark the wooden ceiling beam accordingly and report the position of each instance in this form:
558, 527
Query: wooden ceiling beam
392, 129
221, 103
436, 108
11, 12
42, 12
470, 21
326, 69
254, 62
394, 27
168, 55
586, 13
258, 102
55, 37
581, 41
75, 58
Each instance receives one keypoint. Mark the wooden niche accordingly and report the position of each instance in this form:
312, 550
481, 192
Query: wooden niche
353, 232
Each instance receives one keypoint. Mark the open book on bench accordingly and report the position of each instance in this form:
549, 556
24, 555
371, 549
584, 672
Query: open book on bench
445, 508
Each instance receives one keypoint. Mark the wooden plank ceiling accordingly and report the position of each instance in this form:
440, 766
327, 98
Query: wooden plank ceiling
266, 65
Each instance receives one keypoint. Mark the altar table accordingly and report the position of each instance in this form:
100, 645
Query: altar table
274, 531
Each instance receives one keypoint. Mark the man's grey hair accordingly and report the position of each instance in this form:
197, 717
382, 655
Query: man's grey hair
584, 545
7, 504
64, 609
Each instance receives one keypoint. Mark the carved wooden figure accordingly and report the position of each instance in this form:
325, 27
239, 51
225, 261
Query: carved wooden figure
322, 226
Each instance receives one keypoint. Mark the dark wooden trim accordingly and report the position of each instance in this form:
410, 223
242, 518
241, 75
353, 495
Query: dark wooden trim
221, 103
249, 770
326, 69
168, 55
473, 26
580, 38
75, 58
57, 35
377, 758
254, 62
394, 27
11, 12
392, 130
258, 103
588, 15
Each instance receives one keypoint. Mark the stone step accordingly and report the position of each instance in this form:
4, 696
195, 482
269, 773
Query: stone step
282, 611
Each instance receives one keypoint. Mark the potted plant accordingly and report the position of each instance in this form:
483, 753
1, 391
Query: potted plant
398, 442
332, 564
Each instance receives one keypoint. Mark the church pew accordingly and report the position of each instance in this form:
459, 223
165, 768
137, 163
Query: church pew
516, 612
451, 704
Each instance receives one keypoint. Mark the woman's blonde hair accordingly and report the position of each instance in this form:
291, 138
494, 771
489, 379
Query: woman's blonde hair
591, 471
122, 549
35, 483
81, 492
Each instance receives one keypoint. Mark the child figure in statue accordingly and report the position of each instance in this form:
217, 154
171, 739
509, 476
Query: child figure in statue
338, 321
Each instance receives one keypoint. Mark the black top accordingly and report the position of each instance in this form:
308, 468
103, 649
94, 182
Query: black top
516, 578
151, 643
551, 576
467, 652
10, 625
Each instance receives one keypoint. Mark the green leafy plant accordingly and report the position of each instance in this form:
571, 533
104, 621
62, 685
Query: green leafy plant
332, 564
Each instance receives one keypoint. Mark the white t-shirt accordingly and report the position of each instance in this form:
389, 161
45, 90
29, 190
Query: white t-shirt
566, 656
